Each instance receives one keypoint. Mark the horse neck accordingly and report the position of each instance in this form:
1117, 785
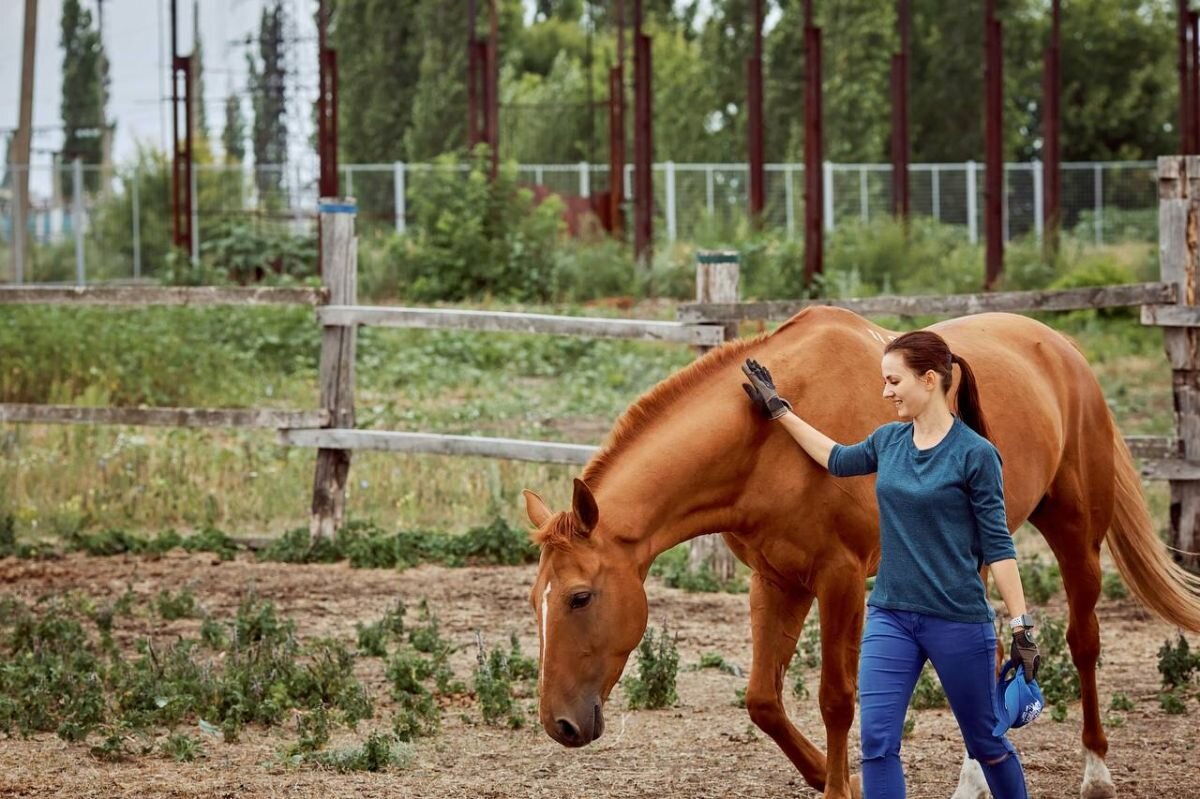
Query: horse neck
682, 476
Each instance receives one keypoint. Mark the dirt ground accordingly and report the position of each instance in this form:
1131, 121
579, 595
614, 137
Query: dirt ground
704, 747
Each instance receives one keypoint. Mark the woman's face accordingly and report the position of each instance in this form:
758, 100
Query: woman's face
908, 392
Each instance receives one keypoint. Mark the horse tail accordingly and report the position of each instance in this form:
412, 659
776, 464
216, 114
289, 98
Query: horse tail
1158, 582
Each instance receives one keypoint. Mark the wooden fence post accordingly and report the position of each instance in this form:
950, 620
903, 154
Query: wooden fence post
717, 276
339, 272
1179, 250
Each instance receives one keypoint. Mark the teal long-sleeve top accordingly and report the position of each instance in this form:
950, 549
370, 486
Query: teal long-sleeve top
941, 517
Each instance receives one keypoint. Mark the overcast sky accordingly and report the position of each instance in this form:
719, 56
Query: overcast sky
137, 39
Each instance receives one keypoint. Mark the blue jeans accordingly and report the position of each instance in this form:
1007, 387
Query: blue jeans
895, 645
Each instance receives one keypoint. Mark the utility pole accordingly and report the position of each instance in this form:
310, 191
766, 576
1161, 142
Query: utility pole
22, 143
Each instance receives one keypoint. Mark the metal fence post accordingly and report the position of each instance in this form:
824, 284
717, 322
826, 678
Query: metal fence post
972, 211
585, 179
399, 186
827, 171
77, 219
936, 191
195, 242
708, 190
789, 200
864, 200
1098, 190
671, 201
1038, 201
136, 212
20, 224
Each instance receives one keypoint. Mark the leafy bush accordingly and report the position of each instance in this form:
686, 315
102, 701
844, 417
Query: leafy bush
1040, 580
495, 673
928, 692
474, 236
1121, 702
658, 662
672, 567
1057, 675
1112, 586
253, 254
373, 637
182, 748
176, 606
378, 753
1176, 663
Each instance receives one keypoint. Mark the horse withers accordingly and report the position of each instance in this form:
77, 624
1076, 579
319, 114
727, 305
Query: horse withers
692, 457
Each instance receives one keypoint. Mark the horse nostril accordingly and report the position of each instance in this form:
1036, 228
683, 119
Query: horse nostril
568, 731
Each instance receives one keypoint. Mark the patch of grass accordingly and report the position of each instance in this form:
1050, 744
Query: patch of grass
373, 638
182, 748
1112, 586
715, 660
928, 692
658, 663
1120, 702
672, 567
496, 671
181, 605
379, 752
1040, 580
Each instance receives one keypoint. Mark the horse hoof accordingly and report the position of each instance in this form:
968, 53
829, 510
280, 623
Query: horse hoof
1097, 782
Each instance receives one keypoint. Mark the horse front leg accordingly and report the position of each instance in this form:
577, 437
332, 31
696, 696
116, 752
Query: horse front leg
776, 618
840, 593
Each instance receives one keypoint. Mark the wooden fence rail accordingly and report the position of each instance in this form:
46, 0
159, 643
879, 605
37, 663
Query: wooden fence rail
161, 295
163, 417
949, 304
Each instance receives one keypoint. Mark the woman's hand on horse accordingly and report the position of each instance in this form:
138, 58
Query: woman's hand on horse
1025, 652
761, 390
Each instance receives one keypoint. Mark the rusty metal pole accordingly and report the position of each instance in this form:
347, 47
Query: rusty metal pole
1051, 149
493, 88
993, 146
181, 157
1194, 80
814, 234
643, 190
754, 130
1183, 64
900, 140
616, 131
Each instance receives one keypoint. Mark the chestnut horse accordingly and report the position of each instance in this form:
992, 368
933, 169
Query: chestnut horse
691, 457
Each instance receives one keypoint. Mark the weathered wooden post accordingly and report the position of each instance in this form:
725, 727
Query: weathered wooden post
1179, 250
717, 276
339, 272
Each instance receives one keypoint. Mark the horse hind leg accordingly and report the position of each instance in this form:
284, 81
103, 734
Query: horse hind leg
1075, 536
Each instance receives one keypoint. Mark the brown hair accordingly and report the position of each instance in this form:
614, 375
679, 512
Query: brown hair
926, 351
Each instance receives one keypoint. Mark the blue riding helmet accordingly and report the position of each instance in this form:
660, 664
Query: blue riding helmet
1018, 701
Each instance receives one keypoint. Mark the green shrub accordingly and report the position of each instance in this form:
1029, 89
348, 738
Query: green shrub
494, 677
1112, 586
658, 662
1121, 702
1057, 675
1176, 663
928, 692
182, 748
672, 567
1040, 580
1172, 702
474, 236
378, 753
373, 637
176, 606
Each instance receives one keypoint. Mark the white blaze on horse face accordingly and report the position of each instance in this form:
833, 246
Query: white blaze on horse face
545, 641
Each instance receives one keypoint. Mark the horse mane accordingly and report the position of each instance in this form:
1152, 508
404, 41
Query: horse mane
651, 405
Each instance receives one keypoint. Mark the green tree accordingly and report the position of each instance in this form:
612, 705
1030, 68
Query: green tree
267, 82
233, 138
84, 89
438, 118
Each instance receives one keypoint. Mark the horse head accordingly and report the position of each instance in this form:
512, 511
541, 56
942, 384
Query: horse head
591, 613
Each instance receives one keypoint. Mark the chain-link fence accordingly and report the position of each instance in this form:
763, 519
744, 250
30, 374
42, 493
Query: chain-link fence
87, 227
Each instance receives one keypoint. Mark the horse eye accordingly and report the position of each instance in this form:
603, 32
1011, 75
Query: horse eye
580, 600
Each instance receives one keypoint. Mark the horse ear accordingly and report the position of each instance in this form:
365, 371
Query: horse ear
536, 509
583, 504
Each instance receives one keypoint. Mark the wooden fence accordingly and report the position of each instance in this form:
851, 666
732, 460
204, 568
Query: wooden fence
703, 324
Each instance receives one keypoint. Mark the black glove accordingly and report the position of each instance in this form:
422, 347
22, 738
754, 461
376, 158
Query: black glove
761, 390
1025, 653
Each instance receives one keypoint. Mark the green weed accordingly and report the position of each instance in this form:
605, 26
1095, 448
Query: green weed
928, 692
658, 662
182, 748
379, 752
1121, 702
181, 605
1176, 663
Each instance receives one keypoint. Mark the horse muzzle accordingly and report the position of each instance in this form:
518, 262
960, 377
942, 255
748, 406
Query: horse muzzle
577, 728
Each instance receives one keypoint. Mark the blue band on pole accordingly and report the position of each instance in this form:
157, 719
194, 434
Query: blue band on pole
337, 208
